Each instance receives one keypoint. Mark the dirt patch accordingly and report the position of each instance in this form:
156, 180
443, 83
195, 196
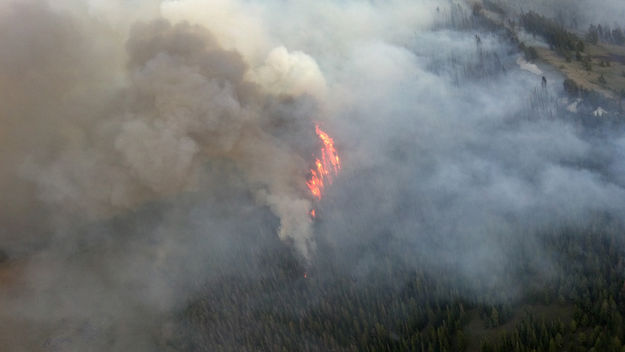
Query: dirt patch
611, 58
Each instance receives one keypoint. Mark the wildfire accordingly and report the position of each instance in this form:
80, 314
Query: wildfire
326, 166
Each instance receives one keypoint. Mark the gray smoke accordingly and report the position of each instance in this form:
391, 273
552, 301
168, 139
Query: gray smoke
149, 148
123, 125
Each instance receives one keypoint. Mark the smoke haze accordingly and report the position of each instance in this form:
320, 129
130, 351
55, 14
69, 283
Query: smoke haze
575, 13
149, 149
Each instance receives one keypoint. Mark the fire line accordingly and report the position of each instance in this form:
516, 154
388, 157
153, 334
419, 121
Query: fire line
327, 165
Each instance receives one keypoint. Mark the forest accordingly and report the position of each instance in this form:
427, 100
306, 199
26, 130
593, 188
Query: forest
330, 175
579, 307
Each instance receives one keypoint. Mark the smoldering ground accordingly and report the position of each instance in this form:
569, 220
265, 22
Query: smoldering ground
149, 154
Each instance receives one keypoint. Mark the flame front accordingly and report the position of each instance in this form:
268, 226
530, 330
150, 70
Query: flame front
326, 166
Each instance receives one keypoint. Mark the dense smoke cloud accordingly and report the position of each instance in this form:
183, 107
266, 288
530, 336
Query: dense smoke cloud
148, 148
180, 99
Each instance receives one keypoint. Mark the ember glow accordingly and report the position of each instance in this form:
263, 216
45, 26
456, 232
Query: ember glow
326, 166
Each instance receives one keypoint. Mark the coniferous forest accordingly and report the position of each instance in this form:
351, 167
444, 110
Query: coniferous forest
579, 307
328, 175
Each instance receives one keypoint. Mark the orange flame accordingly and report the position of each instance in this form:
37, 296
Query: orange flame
326, 166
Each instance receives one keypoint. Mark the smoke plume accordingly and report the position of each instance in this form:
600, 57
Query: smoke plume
149, 148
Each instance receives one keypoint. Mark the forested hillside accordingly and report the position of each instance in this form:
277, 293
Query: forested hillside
578, 307
328, 175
